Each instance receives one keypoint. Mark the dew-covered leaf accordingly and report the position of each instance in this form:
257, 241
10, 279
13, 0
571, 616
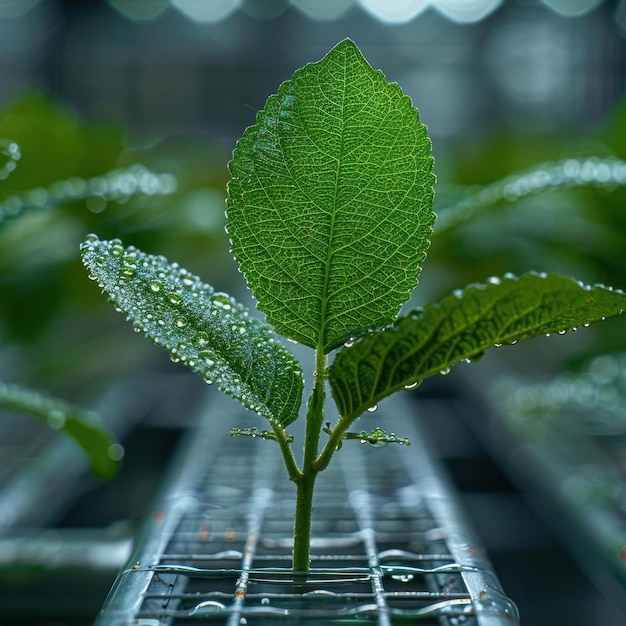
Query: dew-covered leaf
330, 202
102, 453
376, 437
602, 173
255, 432
462, 326
118, 185
209, 332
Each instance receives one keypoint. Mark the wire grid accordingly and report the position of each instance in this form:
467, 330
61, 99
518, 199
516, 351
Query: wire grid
218, 548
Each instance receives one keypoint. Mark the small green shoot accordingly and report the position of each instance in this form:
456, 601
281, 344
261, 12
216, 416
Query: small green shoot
330, 217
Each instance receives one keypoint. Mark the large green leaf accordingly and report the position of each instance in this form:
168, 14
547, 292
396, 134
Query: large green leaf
209, 332
463, 326
330, 202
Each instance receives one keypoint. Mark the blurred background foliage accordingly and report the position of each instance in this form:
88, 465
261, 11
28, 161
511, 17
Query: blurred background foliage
49, 321
94, 87
101, 95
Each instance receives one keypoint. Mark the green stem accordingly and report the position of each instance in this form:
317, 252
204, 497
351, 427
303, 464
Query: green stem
332, 445
306, 481
285, 449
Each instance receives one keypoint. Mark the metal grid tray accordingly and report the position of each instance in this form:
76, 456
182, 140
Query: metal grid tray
390, 545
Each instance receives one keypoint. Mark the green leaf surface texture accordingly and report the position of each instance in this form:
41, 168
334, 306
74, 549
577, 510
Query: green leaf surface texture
81, 425
209, 332
462, 326
330, 201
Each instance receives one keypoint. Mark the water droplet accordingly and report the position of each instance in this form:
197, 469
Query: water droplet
222, 301
175, 299
265, 601
493, 280
181, 322
445, 371
373, 408
56, 419
208, 606
116, 452
201, 339
411, 385
155, 287
403, 578
562, 332
128, 268
117, 249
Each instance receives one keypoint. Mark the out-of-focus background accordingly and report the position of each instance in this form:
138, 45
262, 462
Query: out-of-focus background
119, 117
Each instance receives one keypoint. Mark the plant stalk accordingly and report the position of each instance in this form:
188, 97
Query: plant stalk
306, 480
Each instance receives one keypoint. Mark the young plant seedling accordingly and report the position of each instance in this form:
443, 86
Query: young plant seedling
330, 216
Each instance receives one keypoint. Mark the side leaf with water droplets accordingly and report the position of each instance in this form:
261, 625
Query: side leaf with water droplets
209, 332
462, 326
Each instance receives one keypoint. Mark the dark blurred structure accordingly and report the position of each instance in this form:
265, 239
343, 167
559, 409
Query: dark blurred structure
164, 67
501, 85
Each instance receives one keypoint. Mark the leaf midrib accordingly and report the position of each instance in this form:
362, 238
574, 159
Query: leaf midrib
324, 300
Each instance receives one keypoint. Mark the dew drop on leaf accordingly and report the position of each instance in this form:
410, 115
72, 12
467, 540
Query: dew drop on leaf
56, 419
201, 339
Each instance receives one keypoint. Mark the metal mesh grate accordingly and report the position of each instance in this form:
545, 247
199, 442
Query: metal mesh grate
389, 545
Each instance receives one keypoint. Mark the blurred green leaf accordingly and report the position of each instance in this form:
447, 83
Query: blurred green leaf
55, 143
82, 426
